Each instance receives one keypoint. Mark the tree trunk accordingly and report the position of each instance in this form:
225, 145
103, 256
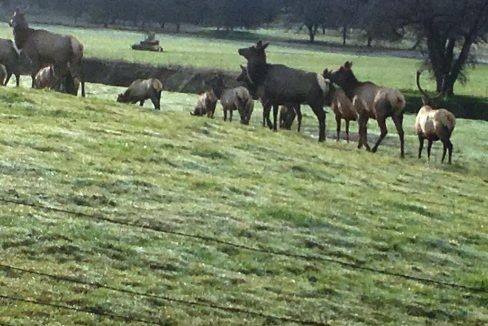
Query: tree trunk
323, 29
344, 35
311, 33
370, 41
178, 27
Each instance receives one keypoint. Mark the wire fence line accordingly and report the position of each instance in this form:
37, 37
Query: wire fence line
268, 251
199, 303
88, 310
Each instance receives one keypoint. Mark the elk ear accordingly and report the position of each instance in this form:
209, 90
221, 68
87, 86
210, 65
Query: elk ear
265, 45
259, 43
348, 64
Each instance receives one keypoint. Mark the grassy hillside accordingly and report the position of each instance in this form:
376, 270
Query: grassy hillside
242, 185
204, 51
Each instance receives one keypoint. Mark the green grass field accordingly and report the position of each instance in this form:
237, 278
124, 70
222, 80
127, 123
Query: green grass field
244, 185
202, 51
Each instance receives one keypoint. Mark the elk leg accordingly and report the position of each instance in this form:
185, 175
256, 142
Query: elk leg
299, 117
421, 145
363, 131
225, 114
398, 120
338, 123
231, 113
384, 132
17, 80
9, 75
450, 147
347, 131
275, 117
141, 103
429, 148
320, 114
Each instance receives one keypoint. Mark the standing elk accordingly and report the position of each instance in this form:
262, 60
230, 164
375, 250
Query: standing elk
142, 90
280, 85
44, 48
371, 101
287, 115
433, 124
11, 59
232, 99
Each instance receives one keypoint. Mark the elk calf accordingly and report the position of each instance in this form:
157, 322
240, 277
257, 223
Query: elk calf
343, 109
206, 105
45, 78
233, 99
142, 90
434, 124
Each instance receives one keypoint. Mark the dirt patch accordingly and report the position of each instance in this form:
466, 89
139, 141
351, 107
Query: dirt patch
174, 79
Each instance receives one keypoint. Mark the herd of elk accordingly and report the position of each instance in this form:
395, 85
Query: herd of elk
55, 62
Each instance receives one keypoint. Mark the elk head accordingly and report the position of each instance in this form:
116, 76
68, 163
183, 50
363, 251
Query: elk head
344, 76
255, 53
18, 19
426, 99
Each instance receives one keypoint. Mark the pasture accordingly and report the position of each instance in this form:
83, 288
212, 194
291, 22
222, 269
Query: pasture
132, 215
166, 171
206, 51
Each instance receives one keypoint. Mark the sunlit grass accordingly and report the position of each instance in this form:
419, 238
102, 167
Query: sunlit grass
242, 184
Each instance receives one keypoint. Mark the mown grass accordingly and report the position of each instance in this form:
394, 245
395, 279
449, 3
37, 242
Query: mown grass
214, 52
245, 185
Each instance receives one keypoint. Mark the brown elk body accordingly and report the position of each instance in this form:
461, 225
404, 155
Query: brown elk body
374, 102
280, 85
45, 78
44, 48
434, 124
232, 99
206, 105
286, 116
141, 90
343, 109
10, 58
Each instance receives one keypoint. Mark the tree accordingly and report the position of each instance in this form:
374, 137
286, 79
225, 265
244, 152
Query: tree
449, 27
310, 13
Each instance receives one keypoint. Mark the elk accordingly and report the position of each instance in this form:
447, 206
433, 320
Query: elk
287, 114
11, 59
142, 90
371, 101
280, 85
238, 98
206, 105
44, 48
45, 78
433, 123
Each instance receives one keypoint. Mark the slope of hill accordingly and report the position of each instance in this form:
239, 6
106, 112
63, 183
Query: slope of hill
207, 216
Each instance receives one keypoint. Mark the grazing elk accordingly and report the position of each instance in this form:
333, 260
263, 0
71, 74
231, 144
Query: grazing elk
46, 78
433, 124
206, 105
285, 121
280, 85
371, 101
44, 48
142, 90
238, 98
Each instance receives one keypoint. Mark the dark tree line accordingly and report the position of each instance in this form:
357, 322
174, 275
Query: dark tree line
448, 28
